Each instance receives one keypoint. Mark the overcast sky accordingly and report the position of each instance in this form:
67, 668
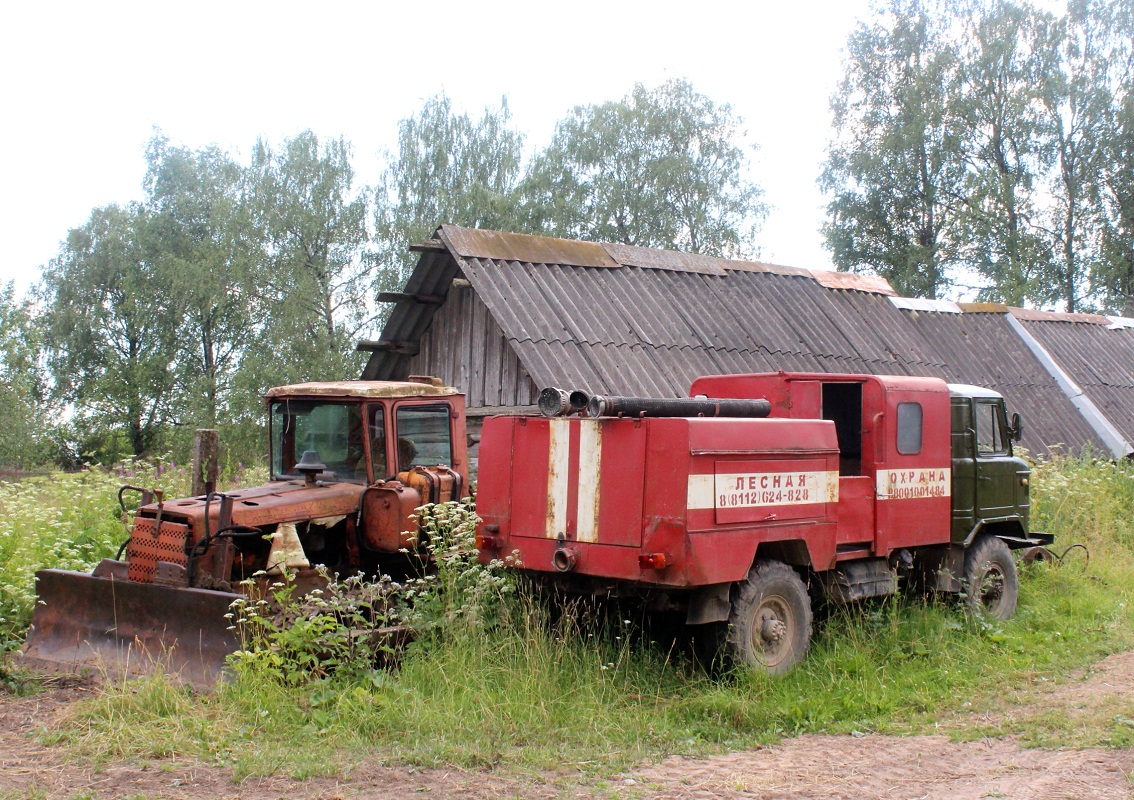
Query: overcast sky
84, 84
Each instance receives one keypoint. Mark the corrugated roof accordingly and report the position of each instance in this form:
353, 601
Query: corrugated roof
1097, 357
630, 320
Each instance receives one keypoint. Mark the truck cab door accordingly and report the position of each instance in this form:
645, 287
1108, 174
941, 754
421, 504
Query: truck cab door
912, 467
995, 466
964, 468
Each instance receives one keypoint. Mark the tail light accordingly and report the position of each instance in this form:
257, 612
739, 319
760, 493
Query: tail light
486, 540
652, 561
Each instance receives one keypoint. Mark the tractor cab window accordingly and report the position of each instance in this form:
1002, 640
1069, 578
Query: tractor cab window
332, 430
423, 436
377, 426
990, 428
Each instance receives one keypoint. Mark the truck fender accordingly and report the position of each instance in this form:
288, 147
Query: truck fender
1011, 527
709, 604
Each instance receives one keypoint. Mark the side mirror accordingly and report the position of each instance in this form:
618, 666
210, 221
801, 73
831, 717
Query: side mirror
1016, 428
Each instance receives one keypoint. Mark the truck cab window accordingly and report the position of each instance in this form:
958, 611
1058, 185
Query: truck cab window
909, 428
990, 429
962, 423
423, 436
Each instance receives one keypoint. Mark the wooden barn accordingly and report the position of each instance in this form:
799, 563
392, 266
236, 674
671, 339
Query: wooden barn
502, 315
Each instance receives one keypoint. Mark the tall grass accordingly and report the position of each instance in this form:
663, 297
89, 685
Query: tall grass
513, 687
68, 521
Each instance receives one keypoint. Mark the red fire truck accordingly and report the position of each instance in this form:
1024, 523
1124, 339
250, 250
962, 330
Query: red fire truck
759, 492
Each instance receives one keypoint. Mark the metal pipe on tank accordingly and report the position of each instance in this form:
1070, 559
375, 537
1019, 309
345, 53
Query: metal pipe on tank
612, 406
554, 402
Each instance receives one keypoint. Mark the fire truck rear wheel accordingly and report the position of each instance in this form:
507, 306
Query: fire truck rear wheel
770, 621
990, 580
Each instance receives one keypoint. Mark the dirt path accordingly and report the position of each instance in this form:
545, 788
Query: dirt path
806, 768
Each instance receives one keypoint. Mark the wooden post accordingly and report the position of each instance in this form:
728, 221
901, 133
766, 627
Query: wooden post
206, 443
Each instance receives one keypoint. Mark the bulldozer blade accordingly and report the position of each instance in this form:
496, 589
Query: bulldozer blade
101, 625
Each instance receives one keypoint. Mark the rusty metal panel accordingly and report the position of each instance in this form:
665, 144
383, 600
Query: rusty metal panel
854, 281
121, 627
500, 246
651, 258
148, 545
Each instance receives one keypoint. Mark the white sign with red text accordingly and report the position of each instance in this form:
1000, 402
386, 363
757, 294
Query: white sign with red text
756, 489
912, 484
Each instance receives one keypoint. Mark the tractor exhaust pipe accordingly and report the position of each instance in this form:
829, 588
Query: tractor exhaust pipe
611, 406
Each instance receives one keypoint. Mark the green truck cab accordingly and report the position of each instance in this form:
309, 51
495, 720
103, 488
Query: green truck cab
990, 484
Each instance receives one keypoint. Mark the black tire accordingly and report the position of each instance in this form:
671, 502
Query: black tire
770, 621
991, 584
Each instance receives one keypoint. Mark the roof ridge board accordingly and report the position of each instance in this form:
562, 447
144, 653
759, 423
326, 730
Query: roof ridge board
507, 246
630, 255
1041, 315
858, 282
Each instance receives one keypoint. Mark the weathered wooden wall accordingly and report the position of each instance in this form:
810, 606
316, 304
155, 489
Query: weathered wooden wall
465, 348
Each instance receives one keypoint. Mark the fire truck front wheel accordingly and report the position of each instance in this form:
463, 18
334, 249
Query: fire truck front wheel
990, 580
770, 620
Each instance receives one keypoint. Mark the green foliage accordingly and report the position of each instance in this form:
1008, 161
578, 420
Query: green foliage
996, 104
318, 277
296, 639
207, 255
65, 521
662, 167
987, 141
111, 328
895, 167
25, 432
456, 593
593, 693
449, 168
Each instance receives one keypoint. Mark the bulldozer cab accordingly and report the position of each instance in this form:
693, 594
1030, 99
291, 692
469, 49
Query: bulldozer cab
364, 431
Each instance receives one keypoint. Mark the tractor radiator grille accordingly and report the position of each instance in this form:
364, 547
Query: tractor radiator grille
147, 547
